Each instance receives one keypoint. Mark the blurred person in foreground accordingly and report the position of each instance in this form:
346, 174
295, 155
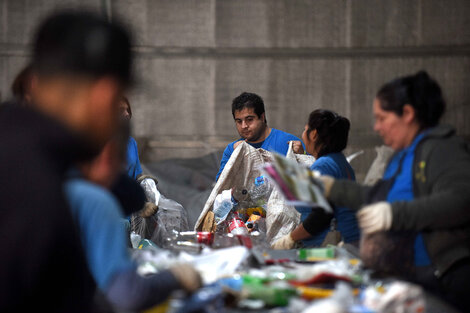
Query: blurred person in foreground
129, 193
80, 66
325, 137
21, 87
100, 220
425, 191
252, 126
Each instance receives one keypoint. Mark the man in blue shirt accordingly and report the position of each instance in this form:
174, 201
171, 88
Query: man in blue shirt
252, 126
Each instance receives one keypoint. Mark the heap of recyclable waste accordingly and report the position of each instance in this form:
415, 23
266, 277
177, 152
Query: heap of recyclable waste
241, 273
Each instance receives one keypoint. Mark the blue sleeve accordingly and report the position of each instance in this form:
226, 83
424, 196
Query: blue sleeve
138, 168
132, 292
133, 162
101, 230
294, 138
325, 168
225, 157
282, 142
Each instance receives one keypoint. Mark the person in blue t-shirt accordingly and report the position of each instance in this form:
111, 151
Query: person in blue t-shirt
100, 222
134, 169
252, 126
325, 136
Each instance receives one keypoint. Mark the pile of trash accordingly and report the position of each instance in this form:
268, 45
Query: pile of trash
306, 280
230, 248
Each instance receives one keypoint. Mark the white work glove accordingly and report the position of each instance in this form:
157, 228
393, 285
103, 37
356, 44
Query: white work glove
375, 217
187, 276
284, 243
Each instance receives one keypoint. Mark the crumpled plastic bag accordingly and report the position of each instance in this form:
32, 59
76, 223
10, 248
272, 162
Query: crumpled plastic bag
170, 216
377, 168
304, 159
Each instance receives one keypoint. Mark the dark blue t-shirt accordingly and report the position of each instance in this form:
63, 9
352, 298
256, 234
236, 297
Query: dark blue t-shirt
335, 165
102, 231
277, 141
133, 164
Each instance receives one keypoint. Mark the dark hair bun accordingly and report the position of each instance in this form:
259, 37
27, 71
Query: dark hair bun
332, 130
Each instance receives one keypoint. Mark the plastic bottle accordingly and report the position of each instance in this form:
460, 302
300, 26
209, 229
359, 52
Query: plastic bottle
196, 237
225, 240
222, 206
135, 239
260, 191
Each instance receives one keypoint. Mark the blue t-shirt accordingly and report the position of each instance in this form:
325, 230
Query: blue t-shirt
277, 141
335, 165
101, 227
133, 164
402, 190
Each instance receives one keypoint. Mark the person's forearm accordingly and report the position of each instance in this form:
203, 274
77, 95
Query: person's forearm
130, 291
316, 221
446, 209
300, 233
346, 193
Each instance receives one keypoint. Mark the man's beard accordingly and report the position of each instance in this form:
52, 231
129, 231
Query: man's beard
256, 136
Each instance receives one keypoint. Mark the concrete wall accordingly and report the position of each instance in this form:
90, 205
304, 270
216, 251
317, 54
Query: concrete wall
195, 56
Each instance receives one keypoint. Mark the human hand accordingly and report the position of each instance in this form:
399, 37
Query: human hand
284, 243
375, 217
297, 147
235, 145
188, 277
149, 209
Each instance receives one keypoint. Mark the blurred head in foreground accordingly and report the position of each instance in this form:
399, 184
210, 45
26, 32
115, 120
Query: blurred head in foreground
81, 66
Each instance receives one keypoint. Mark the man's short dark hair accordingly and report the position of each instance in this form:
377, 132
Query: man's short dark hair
249, 100
82, 43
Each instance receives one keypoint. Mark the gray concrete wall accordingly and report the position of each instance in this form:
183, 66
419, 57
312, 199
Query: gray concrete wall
195, 56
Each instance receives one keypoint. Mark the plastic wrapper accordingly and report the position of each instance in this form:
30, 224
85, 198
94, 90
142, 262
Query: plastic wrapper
377, 168
339, 302
217, 264
399, 297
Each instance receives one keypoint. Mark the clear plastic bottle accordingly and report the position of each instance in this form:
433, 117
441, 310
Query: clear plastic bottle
260, 192
222, 206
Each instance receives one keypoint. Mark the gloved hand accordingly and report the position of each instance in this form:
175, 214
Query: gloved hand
187, 276
284, 243
149, 209
141, 177
375, 217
